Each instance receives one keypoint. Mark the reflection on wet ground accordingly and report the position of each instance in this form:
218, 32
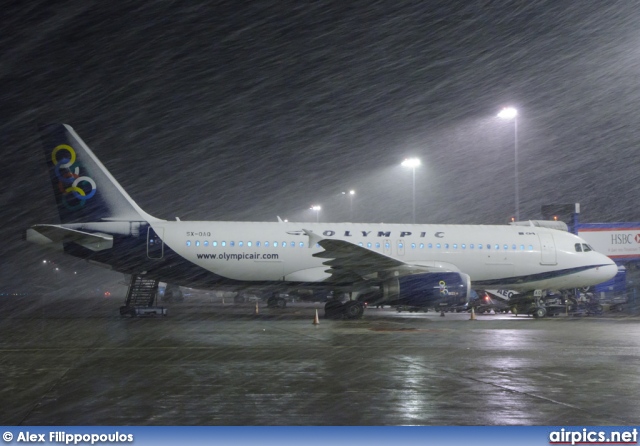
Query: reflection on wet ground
76, 362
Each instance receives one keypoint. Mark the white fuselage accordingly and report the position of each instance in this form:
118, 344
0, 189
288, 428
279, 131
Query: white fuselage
520, 258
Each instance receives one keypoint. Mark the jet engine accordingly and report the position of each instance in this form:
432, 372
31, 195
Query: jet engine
428, 290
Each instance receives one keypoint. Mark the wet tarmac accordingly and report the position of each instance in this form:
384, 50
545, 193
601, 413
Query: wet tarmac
77, 362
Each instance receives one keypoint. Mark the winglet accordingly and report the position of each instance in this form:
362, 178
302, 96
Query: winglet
279, 219
313, 238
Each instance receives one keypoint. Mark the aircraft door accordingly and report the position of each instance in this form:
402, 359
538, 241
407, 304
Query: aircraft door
547, 249
155, 245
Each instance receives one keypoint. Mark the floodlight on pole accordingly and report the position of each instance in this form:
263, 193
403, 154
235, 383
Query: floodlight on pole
512, 113
317, 210
351, 195
412, 163
508, 113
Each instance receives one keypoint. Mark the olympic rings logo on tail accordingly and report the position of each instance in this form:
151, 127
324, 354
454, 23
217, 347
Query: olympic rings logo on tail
69, 182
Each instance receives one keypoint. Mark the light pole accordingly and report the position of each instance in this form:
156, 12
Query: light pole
317, 209
351, 195
412, 163
512, 113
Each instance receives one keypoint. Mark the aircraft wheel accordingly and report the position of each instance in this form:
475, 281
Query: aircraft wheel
281, 302
333, 309
540, 312
353, 310
597, 309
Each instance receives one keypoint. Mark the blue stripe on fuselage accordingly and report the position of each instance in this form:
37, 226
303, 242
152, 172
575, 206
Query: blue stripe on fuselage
519, 280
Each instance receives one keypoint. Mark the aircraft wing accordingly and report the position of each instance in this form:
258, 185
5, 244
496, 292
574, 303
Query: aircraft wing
46, 234
350, 262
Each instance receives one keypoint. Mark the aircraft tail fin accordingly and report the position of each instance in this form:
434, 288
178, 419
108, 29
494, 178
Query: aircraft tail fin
85, 191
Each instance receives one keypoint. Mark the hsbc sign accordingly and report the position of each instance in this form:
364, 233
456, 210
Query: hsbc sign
623, 239
617, 243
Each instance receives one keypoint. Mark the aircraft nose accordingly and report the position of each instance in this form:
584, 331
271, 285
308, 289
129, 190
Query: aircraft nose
608, 270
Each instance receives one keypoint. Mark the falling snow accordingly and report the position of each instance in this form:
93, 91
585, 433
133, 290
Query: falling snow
252, 110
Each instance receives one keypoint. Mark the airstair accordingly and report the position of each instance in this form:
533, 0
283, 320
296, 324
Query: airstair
141, 297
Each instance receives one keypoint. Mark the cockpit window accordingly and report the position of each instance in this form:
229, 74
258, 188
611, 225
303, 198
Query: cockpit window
586, 248
578, 247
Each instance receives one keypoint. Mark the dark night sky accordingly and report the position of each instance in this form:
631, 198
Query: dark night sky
248, 110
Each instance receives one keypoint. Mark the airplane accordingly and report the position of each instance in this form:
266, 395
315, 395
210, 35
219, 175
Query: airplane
415, 265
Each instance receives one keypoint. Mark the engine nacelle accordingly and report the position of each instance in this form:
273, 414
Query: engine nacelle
428, 290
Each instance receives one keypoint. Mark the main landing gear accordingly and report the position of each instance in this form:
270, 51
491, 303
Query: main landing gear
276, 301
351, 309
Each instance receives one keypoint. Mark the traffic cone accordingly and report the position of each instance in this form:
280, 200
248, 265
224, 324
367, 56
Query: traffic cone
256, 308
316, 321
473, 314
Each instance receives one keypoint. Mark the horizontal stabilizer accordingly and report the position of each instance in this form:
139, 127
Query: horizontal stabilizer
46, 234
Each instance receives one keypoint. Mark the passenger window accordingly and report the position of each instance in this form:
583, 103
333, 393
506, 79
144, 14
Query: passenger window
240, 243
232, 243
302, 244
197, 242
488, 246
293, 244
266, 244
464, 246
249, 244
521, 247
377, 245
506, 247
530, 247
471, 246
455, 246
578, 247
360, 244
413, 246
514, 247
214, 244
438, 245
223, 244
446, 246
188, 242
258, 244
369, 245
430, 245
479, 245
421, 245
